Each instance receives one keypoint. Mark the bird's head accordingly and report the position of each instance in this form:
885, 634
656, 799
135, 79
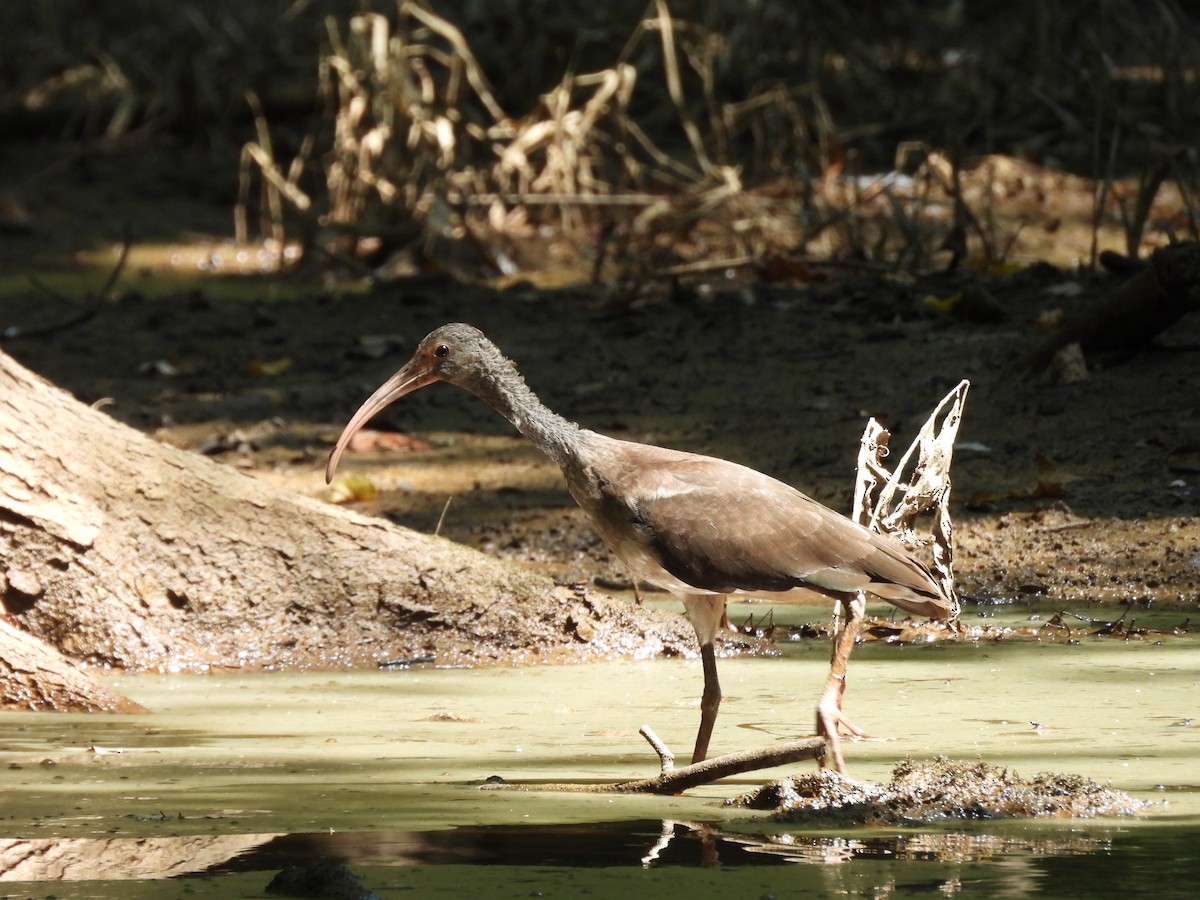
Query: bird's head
455, 353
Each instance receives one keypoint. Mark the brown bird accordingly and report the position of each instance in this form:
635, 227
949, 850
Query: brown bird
700, 527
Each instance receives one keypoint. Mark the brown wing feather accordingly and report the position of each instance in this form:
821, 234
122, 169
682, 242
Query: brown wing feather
719, 526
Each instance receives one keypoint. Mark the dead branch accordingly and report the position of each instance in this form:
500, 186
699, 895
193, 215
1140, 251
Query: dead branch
676, 781
665, 26
894, 507
1137, 312
455, 39
704, 266
666, 759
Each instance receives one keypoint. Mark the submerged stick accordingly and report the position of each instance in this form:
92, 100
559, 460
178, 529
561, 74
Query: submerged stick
676, 781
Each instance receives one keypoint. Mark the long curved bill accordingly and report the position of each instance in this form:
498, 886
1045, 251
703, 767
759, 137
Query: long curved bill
412, 377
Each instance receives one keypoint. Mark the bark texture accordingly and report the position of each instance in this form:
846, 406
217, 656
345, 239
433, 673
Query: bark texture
34, 676
120, 859
120, 551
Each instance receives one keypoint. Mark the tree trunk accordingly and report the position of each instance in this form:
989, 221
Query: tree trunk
38, 677
119, 551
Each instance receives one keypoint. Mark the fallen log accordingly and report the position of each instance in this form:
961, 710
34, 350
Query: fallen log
122, 552
1150, 302
675, 781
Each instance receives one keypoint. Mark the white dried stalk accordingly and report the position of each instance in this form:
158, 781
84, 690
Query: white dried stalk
893, 507
416, 127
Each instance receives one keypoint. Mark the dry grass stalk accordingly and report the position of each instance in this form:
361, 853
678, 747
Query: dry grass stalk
419, 142
421, 146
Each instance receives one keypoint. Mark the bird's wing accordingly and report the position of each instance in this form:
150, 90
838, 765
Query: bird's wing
719, 526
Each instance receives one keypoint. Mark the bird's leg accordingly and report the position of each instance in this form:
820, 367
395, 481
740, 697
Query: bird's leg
705, 612
829, 710
710, 701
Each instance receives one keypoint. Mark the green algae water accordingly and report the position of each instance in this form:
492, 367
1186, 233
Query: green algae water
232, 778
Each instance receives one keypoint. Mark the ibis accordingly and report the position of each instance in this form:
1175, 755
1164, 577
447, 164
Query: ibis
700, 527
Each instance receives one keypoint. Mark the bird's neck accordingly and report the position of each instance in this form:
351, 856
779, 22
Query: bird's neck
507, 393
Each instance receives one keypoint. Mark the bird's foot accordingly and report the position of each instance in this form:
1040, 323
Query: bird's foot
831, 719
831, 722
844, 725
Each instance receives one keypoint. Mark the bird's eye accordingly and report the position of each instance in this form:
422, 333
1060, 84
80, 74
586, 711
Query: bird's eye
441, 351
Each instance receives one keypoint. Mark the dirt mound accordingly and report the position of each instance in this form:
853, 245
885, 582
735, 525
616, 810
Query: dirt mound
920, 793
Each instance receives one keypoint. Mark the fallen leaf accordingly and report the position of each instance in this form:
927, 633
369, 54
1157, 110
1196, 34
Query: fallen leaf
1049, 319
775, 267
352, 489
279, 366
944, 305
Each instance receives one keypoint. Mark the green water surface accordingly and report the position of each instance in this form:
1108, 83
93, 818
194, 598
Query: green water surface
230, 778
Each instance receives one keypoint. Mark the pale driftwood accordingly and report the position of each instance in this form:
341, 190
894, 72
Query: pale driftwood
890, 501
676, 781
666, 759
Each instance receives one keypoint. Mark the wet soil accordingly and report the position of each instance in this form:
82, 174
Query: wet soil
939, 790
1083, 493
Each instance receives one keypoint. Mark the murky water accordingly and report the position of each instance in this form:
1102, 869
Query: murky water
231, 778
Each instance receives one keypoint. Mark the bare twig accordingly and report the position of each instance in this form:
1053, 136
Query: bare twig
1134, 219
666, 29
118, 266
1104, 185
88, 312
442, 518
455, 39
702, 266
666, 758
